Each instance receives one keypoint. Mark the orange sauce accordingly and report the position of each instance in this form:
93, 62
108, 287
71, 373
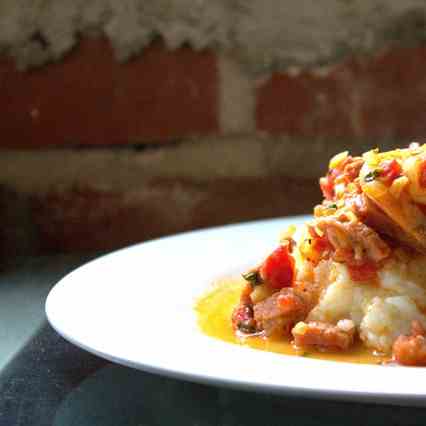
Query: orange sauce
214, 311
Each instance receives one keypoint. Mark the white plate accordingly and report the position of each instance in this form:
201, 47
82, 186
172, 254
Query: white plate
135, 307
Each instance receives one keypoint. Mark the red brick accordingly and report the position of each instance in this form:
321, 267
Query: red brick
91, 99
378, 96
394, 93
88, 219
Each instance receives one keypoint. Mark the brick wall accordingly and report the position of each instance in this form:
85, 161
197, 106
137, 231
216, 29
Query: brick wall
96, 154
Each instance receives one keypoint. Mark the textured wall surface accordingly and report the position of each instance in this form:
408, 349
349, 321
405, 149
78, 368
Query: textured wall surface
126, 120
265, 34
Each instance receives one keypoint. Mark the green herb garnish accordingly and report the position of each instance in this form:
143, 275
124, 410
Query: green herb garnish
253, 277
247, 326
369, 177
332, 206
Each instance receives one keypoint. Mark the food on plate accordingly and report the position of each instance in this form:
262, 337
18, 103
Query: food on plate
356, 273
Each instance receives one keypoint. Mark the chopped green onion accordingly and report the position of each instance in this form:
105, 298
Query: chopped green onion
246, 327
369, 177
253, 277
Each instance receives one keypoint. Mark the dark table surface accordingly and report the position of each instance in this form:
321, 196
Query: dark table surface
45, 380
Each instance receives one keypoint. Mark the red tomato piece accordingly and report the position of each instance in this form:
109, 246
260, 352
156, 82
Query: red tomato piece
365, 272
422, 207
327, 188
319, 243
327, 184
278, 270
391, 170
422, 174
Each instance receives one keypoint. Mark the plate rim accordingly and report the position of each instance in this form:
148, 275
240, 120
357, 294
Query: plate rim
393, 398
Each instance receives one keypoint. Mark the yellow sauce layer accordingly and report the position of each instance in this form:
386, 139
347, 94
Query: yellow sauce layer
214, 311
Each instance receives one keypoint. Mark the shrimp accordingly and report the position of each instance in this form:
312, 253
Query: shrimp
411, 350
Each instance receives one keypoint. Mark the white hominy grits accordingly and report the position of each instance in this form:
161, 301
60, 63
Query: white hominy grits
381, 312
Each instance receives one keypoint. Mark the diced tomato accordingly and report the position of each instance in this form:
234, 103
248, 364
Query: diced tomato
390, 170
347, 171
364, 272
327, 183
278, 269
422, 207
319, 243
327, 187
422, 174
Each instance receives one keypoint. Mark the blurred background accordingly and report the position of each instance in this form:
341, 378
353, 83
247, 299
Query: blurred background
125, 120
